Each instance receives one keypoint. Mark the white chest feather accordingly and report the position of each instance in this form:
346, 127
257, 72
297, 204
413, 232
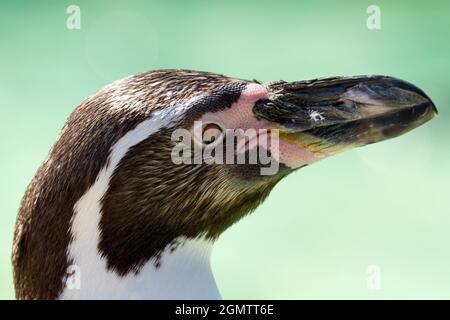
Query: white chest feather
183, 274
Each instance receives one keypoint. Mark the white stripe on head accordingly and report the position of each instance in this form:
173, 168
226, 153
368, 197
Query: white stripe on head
96, 280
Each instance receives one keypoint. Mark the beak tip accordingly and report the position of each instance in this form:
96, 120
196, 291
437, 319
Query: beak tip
435, 110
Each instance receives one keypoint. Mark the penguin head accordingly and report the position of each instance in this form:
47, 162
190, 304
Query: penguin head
175, 154
222, 144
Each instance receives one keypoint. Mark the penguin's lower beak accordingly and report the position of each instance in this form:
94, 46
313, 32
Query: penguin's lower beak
332, 114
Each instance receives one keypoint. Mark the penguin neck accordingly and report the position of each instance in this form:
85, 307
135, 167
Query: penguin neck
183, 272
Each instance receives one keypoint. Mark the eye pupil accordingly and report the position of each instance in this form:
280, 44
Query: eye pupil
211, 132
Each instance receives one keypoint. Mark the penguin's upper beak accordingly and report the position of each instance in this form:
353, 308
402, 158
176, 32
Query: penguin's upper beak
332, 114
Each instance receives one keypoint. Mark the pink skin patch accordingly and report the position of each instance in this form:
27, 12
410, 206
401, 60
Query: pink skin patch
294, 156
241, 116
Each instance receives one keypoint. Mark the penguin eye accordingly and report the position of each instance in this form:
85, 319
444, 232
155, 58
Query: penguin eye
211, 132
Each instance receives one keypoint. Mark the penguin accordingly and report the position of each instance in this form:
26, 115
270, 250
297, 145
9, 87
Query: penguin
114, 211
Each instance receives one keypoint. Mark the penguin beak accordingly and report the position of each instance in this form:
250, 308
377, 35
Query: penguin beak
332, 114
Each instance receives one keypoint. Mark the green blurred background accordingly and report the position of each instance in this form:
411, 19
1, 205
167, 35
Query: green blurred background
315, 237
